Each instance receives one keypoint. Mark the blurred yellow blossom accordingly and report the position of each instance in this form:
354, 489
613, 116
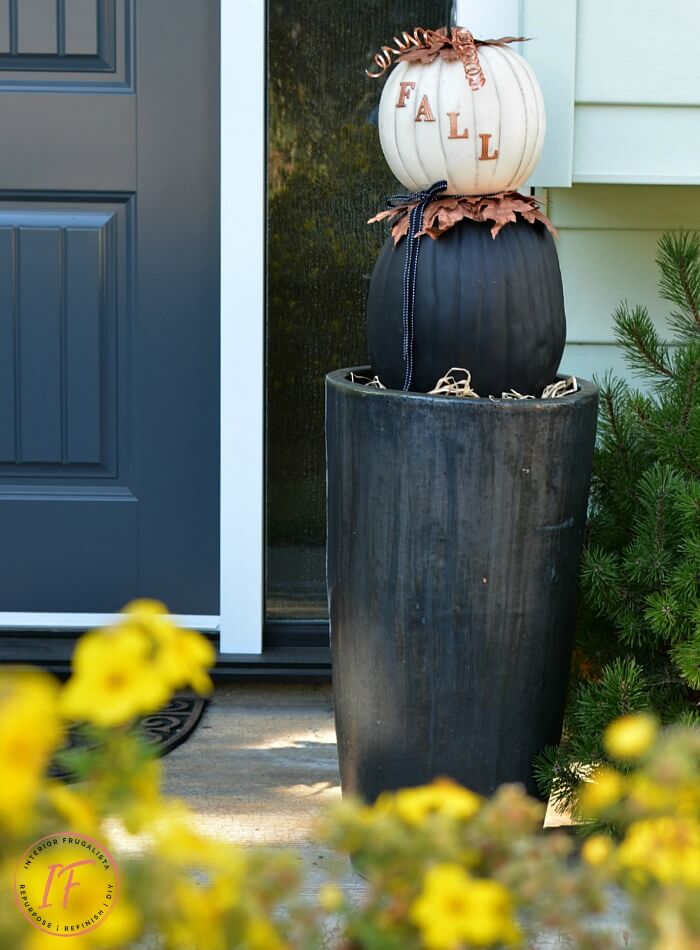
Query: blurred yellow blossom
648, 796
182, 656
442, 797
135, 667
601, 791
30, 731
666, 848
38, 940
76, 810
419, 846
123, 924
113, 678
177, 840
597, 850
331, 898
194, 923
148, 612
262, 935
140, 791
631, 736
454, 909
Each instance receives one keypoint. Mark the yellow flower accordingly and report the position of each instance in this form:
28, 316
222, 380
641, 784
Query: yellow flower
183, 659
647, 796
145, 804
76, 810
30, 731
114, 679
442, 797
454, 909
196, 922
597, 850
631, 737
176, 839
182, 656
146, 611
331, 898
38, 940
122, 926
261, 935
667, 849
604, 789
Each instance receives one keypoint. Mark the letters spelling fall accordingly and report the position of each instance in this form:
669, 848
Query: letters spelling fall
425, 114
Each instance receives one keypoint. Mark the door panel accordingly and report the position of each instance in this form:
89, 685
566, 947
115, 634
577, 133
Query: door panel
109, 318
59, 275
63, 35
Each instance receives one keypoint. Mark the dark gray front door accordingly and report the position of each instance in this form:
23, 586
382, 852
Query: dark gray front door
109, 307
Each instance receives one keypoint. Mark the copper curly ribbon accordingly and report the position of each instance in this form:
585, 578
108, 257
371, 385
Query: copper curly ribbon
465, 47
424, 46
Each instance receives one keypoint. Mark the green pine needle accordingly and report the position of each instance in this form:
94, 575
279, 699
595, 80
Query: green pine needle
638, 631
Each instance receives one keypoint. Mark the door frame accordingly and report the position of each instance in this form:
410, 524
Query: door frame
241, 613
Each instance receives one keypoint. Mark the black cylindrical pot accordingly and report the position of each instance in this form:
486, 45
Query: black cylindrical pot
454, 534
493, 306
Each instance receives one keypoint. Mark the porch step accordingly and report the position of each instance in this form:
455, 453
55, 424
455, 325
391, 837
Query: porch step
276, 663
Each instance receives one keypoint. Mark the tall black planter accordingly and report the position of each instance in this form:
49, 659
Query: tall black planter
454, 535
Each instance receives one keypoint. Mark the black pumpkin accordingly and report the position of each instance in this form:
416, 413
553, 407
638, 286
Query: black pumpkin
494, 306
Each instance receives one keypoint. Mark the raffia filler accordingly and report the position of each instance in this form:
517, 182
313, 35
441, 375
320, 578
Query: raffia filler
458, 382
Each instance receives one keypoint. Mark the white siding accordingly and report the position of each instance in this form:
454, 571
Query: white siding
637, 111
637, 144
607, 248
638, 52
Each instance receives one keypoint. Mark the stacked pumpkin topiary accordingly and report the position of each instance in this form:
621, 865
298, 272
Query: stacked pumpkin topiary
455, 524
461, 124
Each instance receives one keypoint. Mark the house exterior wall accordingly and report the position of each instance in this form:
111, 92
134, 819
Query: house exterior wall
607, 246
622, 94
637, 98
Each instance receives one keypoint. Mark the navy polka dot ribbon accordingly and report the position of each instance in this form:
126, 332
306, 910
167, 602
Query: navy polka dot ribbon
410, 270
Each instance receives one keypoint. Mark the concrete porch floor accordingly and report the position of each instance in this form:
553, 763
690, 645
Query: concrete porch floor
262, 766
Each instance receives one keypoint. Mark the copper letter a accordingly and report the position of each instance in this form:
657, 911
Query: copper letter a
424, 111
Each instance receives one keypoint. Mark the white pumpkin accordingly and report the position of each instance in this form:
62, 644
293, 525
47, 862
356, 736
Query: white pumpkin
433, 125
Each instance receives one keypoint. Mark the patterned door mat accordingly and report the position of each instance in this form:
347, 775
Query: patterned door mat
174, 723
165, 730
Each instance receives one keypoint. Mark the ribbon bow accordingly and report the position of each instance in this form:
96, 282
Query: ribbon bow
410, 268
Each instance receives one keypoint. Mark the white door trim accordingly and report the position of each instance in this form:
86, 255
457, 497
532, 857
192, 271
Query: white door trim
243, 215
242, 347
65, 621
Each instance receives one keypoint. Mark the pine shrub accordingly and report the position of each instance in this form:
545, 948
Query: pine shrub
638, 632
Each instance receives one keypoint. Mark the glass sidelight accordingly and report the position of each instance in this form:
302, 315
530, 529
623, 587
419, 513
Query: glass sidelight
326, 177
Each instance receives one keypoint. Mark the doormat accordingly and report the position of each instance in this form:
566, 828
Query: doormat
164, 730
